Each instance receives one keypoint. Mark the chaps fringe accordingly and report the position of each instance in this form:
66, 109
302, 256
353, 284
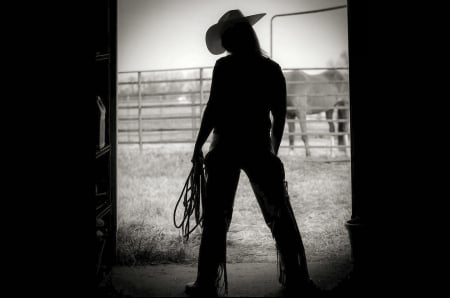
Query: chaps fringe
280, 269
300, 257
222, 280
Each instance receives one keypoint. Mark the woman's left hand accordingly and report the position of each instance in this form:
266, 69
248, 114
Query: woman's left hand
197, 156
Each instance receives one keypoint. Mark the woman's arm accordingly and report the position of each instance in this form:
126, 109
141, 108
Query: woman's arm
205, 129
207, 123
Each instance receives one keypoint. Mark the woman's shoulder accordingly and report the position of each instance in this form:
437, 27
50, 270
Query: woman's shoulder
221, 63
260, 59
223, 60
262, 63
271, 63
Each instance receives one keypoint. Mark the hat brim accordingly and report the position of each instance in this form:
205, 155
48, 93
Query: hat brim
214, 33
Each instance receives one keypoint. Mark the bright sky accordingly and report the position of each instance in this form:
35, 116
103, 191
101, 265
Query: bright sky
163, 34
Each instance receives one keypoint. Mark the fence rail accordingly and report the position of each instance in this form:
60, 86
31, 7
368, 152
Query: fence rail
148, 115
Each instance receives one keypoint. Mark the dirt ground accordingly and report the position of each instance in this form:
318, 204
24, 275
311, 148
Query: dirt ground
244, 279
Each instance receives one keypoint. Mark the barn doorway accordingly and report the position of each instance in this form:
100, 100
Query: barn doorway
159, 108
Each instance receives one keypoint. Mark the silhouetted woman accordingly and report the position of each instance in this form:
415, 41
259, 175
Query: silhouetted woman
246, 87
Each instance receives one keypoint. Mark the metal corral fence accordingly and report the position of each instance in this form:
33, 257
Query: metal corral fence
165, 106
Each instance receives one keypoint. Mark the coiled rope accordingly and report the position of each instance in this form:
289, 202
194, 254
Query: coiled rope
192, 195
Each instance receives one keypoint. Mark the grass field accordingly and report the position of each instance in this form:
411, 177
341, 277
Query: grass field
149, 184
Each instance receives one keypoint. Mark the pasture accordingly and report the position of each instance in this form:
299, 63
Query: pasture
149, 184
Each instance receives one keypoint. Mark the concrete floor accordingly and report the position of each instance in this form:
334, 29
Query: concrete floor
244, 279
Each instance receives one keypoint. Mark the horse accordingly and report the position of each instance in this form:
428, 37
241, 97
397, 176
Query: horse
313, 94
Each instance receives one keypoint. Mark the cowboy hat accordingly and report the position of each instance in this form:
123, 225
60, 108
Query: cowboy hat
214, 33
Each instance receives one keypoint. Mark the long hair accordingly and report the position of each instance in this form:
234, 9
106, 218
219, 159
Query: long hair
241, 39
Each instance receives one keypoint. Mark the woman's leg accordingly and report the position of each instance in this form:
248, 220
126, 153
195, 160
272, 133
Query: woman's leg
266, 174
222, 181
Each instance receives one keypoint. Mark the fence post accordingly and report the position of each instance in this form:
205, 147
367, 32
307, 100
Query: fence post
194, 121
128, 122
164, 99
201, 92
140, 111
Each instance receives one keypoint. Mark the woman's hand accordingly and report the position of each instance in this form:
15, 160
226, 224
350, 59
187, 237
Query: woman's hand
197, 162
197, 156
